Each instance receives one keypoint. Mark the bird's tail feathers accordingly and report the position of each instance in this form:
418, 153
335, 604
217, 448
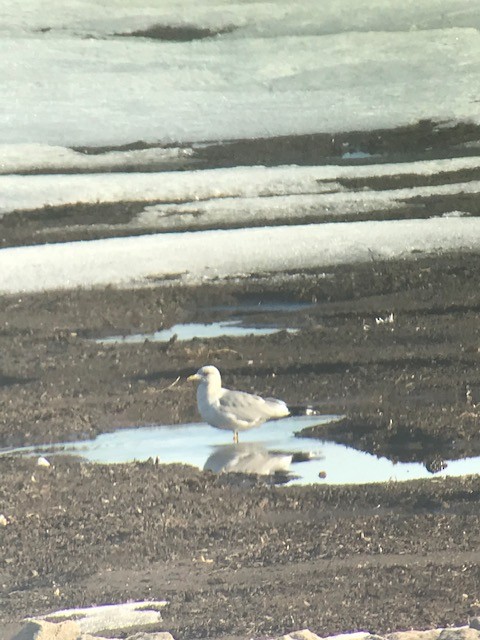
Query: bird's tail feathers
278, 408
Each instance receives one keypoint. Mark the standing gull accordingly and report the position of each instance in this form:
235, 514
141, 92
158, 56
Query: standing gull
233, 410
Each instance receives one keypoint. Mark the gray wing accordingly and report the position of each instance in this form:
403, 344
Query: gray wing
251, 408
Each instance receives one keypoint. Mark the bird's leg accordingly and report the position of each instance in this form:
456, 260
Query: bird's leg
235, 437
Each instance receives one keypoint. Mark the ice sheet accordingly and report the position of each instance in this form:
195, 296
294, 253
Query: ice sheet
87, 17
286, 68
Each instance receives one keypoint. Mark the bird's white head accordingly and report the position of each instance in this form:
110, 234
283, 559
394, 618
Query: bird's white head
208, 375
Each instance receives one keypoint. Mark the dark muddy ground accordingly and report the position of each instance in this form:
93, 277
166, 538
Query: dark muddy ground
414, 378
237, 558
240, 559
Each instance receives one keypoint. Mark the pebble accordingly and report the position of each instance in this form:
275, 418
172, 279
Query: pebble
43, 630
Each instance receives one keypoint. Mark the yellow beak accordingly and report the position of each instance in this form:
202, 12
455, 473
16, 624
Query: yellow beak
193, 377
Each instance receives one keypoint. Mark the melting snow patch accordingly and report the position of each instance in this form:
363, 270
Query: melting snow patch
195, 257
213, 188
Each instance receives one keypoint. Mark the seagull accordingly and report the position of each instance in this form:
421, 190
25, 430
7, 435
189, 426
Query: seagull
233, 410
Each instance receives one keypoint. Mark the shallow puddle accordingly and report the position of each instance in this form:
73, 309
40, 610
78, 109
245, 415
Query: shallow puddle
262, 450
358, 155
189, 331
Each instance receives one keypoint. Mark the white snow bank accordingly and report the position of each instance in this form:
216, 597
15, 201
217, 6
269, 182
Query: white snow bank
199, 256
22, 192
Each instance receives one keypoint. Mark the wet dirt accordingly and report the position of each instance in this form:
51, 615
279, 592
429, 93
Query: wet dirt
415, 375
236, 558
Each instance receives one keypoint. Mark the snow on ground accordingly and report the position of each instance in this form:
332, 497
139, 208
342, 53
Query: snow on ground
286, 68
73, 77
207, 255
244, 211
23, 192
16, 158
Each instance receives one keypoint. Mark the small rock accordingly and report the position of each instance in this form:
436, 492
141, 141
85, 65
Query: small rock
42, 630
459, 633
43, 462
112, 616
431, 634
11, 629
356, 635
3, 520
475, 623
303, 634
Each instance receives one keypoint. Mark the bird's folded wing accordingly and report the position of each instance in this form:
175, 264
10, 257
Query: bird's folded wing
244, 406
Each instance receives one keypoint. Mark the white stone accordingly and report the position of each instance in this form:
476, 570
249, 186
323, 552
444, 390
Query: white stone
303, 634
43, 462
113, 616
357, 635
459, 633
159, 635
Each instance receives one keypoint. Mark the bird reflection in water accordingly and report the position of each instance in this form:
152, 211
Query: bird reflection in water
253, 458
247, 457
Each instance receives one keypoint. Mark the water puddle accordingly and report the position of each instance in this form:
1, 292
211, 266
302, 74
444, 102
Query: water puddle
358, 155
253, 316
272, 447
232, 328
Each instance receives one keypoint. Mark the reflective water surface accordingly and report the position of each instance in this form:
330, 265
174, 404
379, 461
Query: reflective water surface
272, 447
194, 330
